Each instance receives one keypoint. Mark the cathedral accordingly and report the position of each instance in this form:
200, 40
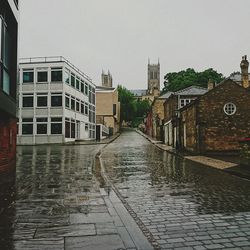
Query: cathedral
153, 89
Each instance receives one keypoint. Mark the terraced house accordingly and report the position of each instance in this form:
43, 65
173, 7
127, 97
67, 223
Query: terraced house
9, 16
56, 102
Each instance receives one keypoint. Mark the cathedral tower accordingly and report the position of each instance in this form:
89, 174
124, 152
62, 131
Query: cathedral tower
153, 79
107, 80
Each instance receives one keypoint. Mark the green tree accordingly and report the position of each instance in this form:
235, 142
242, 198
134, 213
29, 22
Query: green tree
178, 80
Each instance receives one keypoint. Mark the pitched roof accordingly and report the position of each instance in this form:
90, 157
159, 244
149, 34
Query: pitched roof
166, 95
138, 92
192, 90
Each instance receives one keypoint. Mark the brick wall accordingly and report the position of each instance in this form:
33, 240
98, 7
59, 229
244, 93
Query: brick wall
8, 130
170, 107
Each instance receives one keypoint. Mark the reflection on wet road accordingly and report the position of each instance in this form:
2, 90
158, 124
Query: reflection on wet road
51, 182
184, 205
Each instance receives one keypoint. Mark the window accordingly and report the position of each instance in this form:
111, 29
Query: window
77, 105
72, 80
56, 75
28, 76
73, 129
86, 89
66, 76
230, 108
114, 109
82, 86
1, 32
56, 99
27, 126
86, 127
72, 103
56, 125
67, 128
86, 112
42, 76
78, 83
41, 126
42, 100
6, 82
82, 107
67, 101
28, 101
6, 48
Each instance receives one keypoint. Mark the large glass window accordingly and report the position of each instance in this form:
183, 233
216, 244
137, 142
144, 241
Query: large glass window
42, 101
82, 107
72, 104
42, 76
67, 128
56, 100
86, 112
28, 76
73, 129
56, 75
41, 126
82, 86
86, 89
6, 49
56, 125
77, 105
27, 126
28, 101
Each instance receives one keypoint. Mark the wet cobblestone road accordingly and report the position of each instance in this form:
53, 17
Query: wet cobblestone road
184, 205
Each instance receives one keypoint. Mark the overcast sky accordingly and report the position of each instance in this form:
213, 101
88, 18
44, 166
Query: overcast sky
120, 35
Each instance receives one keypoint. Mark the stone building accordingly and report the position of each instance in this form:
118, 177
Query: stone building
107, 80
9, 17
174, 102
153, 82
216, 121
107, 110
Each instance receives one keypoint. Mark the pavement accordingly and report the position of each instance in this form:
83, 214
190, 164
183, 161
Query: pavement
55, 201
228, 164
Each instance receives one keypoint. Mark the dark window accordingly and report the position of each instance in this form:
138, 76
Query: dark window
27, 129
56, 101
28, 101
56, 75
77, 106
42, 76
42, 101
67, 101
82, 108
86, 110
56, 128
72, 104
28, 77
67, 76
42, 128
82, 87
86, 89
67, 129
77, 83
114, 109
6, 82
73, 129
73, 80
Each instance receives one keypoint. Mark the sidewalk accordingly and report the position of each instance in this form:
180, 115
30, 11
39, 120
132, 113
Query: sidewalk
233, 168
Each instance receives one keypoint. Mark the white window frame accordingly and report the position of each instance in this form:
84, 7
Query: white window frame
229, 108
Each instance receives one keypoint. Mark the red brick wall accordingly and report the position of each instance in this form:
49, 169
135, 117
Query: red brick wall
221, 132
8, 131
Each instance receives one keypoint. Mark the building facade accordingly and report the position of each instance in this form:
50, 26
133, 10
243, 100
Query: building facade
56, 102
9, 16
108, 109
172, 105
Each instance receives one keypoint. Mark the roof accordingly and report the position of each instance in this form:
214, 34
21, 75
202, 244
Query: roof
192, 90
138, 92
166, 95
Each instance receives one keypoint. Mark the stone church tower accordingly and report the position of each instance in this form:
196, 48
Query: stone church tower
107, 80
153, 79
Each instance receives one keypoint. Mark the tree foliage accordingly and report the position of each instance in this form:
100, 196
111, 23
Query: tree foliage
178, 80
132, 110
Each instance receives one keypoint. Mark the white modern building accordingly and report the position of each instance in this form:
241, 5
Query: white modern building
56, 102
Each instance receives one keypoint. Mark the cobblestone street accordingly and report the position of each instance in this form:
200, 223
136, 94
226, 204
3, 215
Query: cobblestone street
55, 202
183, 205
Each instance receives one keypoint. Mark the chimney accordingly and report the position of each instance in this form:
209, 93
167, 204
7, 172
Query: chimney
210, 84
244, 72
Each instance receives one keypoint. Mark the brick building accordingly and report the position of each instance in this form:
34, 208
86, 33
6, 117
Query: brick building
9, 16
217, 120
174, 102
